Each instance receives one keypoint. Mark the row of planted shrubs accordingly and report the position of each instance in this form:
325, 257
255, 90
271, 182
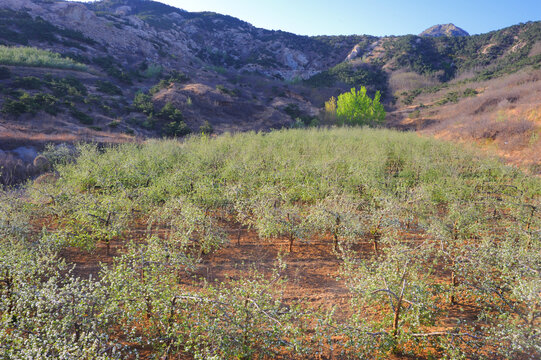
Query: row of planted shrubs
477, 224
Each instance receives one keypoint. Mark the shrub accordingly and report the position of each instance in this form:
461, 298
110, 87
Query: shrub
176, 128
60, 154
415, 114
45, 102
175, 77
14, 107
206, 128
470, 92
31, 104
224, 90
82, 117
143, 103
114, 124
169, 112
28, 82
108, 87
108, 64
357, 108
152, 70
68, 86
297, 114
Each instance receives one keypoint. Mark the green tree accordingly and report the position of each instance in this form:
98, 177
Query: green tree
357, 108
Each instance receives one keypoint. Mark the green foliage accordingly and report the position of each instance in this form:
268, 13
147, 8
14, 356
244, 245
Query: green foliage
494, 53
68, 87
176, 129
469, 92
224, 90
108, 64
60, 154
83, 117
143, 103
28, 82
27, 103
414, 114
206, 128
450, 97
65, 91
301, 118
171, 118
29, 56
170, 113
350, 75
357, 108
410, 96
152, 70
175, 77
428, 210
108, 87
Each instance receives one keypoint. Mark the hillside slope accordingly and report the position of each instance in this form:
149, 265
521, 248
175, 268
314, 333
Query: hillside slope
119, 70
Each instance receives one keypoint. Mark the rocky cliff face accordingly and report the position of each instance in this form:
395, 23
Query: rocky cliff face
444, 30
151, 30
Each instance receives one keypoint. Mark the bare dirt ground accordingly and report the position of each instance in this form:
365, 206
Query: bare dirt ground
312, 271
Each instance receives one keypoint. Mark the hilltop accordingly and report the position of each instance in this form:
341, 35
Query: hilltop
444, 30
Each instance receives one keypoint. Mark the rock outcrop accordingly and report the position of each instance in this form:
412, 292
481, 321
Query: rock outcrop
444, 30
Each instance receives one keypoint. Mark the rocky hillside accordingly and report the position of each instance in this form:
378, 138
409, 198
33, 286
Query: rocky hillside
115, 70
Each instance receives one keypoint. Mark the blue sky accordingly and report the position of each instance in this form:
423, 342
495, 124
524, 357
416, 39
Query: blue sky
374, 17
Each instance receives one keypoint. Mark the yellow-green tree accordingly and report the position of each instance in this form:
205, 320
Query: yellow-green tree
357, 108
330, 109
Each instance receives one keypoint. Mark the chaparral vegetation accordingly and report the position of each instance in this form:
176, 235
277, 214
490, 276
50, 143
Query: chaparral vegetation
436, 250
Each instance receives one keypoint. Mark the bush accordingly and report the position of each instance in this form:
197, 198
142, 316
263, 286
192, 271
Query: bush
227, 91
28, 82
108, 87
45, 102
14, 107
297, 114
206, 128
169, 112
152, 70
112, 69
60, 154
357, 108
470, 92
68, 86
176, 128
31, 104
143, 103
82, 117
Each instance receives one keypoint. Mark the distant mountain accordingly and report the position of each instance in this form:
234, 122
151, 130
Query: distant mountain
444, 30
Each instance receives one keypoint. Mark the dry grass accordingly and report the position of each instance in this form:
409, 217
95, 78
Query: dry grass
505, 117
14, 170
